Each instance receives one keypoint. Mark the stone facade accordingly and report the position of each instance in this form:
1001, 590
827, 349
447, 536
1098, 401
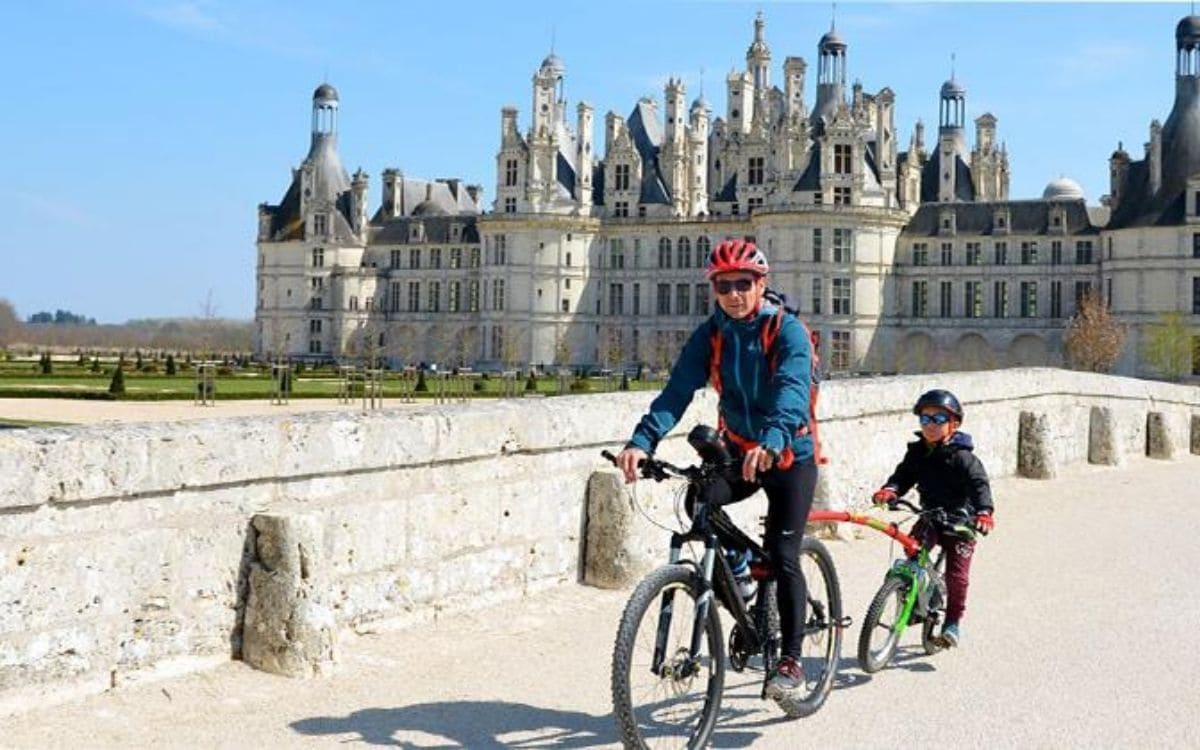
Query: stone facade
913, 260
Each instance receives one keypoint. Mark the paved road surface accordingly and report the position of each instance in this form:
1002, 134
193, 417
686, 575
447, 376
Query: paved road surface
1081, 632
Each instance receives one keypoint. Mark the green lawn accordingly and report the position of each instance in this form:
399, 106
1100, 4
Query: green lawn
20, 380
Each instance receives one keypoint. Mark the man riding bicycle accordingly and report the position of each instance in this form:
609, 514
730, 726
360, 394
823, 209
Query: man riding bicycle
764, 412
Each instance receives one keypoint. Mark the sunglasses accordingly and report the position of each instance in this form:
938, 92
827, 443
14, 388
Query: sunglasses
725, 286
939, 419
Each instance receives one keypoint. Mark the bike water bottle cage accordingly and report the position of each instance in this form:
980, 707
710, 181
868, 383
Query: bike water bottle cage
940, 417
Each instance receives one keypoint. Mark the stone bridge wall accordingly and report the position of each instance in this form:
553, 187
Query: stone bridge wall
129, 550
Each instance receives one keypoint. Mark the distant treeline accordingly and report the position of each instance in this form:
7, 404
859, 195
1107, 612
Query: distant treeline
60, 318
178, 334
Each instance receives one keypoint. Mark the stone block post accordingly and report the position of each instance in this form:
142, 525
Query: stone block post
1159, 441
1102, 438
289, 627
612, 559
1035, 447
1196, 434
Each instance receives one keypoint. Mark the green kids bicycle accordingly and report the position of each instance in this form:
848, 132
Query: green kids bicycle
913, 593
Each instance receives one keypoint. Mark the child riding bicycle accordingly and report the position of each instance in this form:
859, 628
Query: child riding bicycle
948, 475
764, 411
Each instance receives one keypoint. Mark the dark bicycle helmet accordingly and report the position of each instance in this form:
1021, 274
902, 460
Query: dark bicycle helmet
941, 399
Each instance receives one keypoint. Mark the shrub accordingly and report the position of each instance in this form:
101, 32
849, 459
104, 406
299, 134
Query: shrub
137, 364
170, 365
478, 386
581, 385
624, 381
150, 368
95, 364
47, 365
117, 385
530, 383
421, 387
224, 371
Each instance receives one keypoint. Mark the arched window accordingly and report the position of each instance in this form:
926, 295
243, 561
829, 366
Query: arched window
702, 251
664, 253
684, 252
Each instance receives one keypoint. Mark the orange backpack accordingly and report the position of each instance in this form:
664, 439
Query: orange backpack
769, 334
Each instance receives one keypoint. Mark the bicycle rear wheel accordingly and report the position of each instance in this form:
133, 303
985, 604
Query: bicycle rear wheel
822, 646
675, 705
879, 638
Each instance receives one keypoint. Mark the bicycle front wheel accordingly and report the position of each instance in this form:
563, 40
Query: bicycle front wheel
663, 695
880, 636
822, 646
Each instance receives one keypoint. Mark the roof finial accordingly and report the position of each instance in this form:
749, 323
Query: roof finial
952, 66
701, 83
833, 18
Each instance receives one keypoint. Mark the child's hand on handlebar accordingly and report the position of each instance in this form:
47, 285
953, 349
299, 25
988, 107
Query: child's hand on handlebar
627, 462
984, 523
884, 496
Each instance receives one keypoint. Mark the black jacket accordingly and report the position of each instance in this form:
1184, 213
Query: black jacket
948, 476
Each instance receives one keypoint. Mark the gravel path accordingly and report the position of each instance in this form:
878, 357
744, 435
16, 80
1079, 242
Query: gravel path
1080, 633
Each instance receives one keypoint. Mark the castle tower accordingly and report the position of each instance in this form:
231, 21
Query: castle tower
543, 133
322, 176
583, 156
358, 204
952, 145
758, 67
793, 74
831, 76
673, 153
698, 157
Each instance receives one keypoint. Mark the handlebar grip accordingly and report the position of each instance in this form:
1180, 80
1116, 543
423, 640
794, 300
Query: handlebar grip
608, 454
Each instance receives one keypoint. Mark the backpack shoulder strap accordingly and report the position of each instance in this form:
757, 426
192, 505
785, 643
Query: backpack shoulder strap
715, 341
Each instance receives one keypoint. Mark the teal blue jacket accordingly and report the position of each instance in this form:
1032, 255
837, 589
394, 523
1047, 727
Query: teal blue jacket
756, 403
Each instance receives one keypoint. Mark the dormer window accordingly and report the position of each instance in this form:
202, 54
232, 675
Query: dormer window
948, 222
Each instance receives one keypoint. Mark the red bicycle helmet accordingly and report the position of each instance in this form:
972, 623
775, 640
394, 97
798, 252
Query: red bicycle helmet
736, 255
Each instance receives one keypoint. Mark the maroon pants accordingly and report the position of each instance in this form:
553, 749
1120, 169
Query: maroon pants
959, 552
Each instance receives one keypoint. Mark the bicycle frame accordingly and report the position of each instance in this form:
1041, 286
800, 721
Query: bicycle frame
709, 526
917, 586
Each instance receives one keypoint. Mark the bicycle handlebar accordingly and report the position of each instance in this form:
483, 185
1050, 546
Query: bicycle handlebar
654, 468
938, 516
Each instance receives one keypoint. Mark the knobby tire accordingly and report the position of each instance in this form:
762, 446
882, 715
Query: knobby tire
637, 731
893, 591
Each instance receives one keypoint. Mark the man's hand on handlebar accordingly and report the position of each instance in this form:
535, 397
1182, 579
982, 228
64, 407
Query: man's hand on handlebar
757, 459
628, 460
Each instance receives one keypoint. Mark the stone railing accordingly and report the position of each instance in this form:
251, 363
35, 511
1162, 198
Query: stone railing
137, 549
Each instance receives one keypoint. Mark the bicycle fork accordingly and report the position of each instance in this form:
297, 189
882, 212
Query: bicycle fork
666, 612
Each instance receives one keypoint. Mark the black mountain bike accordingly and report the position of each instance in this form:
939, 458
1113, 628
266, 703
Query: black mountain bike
669, 660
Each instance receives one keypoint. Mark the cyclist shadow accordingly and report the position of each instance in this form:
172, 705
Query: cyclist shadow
913, 659
473, 724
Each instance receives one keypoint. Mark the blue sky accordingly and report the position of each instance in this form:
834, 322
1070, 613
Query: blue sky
142, 134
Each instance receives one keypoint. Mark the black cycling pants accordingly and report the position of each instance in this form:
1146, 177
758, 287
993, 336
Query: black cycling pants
789, 499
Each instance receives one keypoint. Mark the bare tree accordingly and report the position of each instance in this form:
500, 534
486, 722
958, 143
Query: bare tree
510, 347
466, 345
1093, 338
664, 350
612, 351
442, 342
10, 324
1168, 346
562, 348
